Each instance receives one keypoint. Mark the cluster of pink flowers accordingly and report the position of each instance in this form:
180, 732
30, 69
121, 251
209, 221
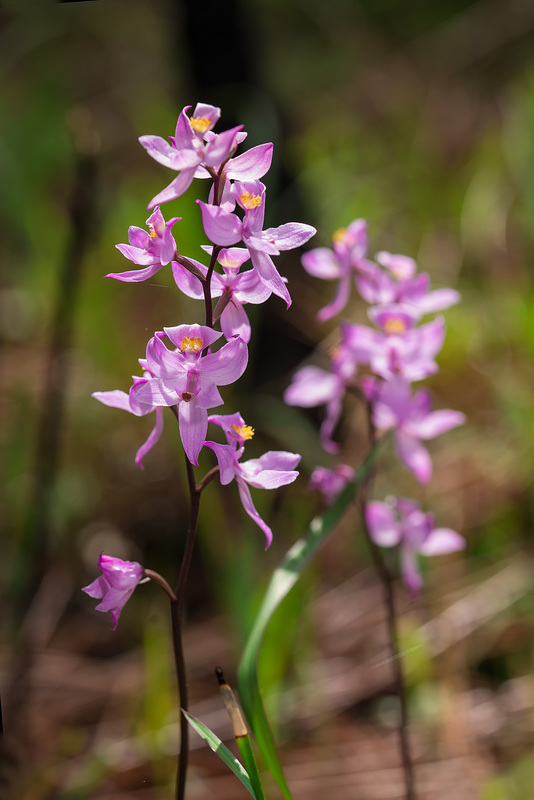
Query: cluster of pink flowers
382, 362
186, 364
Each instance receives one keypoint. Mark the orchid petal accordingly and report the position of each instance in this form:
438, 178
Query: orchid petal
412, 453
252, 164
193, 422
152, 439
248, 505
384, 529
441, 541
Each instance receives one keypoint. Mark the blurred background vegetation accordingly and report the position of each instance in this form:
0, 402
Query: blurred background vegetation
416, 116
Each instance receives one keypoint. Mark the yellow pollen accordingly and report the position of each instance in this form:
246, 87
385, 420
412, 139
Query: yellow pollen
395, 325
245, 431
191, 344
339, 235
152, 232
200, 124
250, 200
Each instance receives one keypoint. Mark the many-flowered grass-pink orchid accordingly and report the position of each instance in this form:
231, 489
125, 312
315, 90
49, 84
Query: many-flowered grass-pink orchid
193, 148
234, 287
116, 584
273, 469
399, 348
400, 522
187, 378
312, 386
411, 419
119, 399
400, 284
225, 228
152, 250
330, 482
346, 259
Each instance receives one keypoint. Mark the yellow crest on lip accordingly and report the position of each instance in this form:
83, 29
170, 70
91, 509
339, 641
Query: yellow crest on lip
191, 344
250, 200
339, 235
152, 232
200, 124
245, 431
395, 325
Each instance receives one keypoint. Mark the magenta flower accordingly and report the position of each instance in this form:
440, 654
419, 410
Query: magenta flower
312, 386
345, 259
401, 522
399, 348
225, 228
119, 399
330, 482
116, 584
153, 250
411, 419
187, 378
403, 286
235, 287
271, 470
193, 148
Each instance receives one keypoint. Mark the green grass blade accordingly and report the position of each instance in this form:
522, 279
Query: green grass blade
282, 581
224, 754
247, 754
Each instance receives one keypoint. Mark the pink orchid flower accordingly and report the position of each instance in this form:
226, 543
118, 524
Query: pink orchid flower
271, 470
401, 285
119, 399
237, 288
346, 259
193, 148
116, 584
330, 482
411, 419
400, 522
153, 250
187, 378
225, 228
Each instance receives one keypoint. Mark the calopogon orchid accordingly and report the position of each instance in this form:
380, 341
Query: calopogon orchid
411, 420
273, 469
398, 348
188, 378
235, 289
330, 482
400, 284
116, 584
312, 386
152, 250
193, 149
119, 399
400, 522
345, 260
224, 228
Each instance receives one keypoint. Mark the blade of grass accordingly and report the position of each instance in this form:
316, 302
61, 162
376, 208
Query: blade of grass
224, 754
247, 754
283, 580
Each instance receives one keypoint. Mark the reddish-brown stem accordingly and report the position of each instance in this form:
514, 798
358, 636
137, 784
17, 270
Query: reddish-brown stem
391, 622
195, 490
176, 616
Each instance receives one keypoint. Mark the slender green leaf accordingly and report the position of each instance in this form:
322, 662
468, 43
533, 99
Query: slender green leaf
224, 754
282, 581
247, 754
